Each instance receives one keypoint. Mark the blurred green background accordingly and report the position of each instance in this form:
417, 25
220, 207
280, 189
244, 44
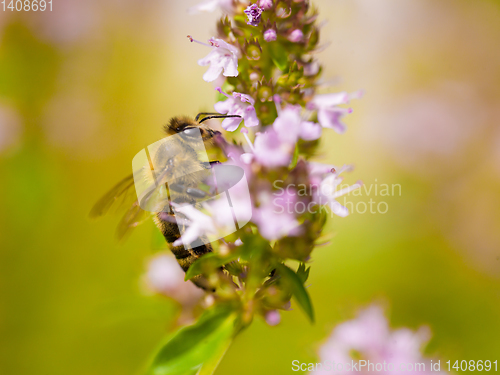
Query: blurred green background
84, 87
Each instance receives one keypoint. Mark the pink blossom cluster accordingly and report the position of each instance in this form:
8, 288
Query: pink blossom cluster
369, 339
263, 66
273, 148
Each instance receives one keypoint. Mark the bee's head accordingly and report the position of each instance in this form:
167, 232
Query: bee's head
185, 126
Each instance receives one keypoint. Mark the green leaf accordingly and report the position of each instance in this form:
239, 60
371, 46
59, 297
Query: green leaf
279, 55
299, 292
209, 263
197, 349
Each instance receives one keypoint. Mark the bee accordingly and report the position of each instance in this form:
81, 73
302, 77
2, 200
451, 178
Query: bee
180, 158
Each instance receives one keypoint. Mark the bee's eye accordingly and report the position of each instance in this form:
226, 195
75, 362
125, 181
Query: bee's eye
191, 132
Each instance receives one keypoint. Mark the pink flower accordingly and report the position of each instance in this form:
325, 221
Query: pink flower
270, 35
253, 13
310, 131
199, 224
241, 159
296, 36
271, 151
223, 59
371, 337
327, 192
226, 6
266, 4
331, 118
290, 126
219, 219
240, 209
274, 147
318, 171
275, 215
329, 114
165, 276
237, 104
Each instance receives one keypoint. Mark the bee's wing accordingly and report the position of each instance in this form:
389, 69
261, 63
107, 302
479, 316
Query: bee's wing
121, 189
134, 216
120, 194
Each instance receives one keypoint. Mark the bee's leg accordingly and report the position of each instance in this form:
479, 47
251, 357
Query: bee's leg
196, 193
180, 188
210, 164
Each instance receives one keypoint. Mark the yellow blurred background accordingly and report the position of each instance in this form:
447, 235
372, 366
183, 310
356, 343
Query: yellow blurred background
84, 87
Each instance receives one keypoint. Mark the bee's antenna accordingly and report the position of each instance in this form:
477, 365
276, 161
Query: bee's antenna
205, 113
219, 116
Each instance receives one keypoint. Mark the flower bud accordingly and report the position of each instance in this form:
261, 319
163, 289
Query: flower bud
273, 317
270, 35
254, 76
265, 90
266, 4
296, 36
224, 26
253, 49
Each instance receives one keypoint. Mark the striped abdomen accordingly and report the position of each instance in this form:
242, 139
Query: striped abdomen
185, 257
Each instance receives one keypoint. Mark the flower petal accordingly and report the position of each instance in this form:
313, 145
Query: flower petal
287, 124
310, 131
247, 157
330, 118
212, 73
329, 100
207, 6
244, 98
224, 106
212, 56
338, 209
270, 151
231, 67
223, 44
231, 124
250, 117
